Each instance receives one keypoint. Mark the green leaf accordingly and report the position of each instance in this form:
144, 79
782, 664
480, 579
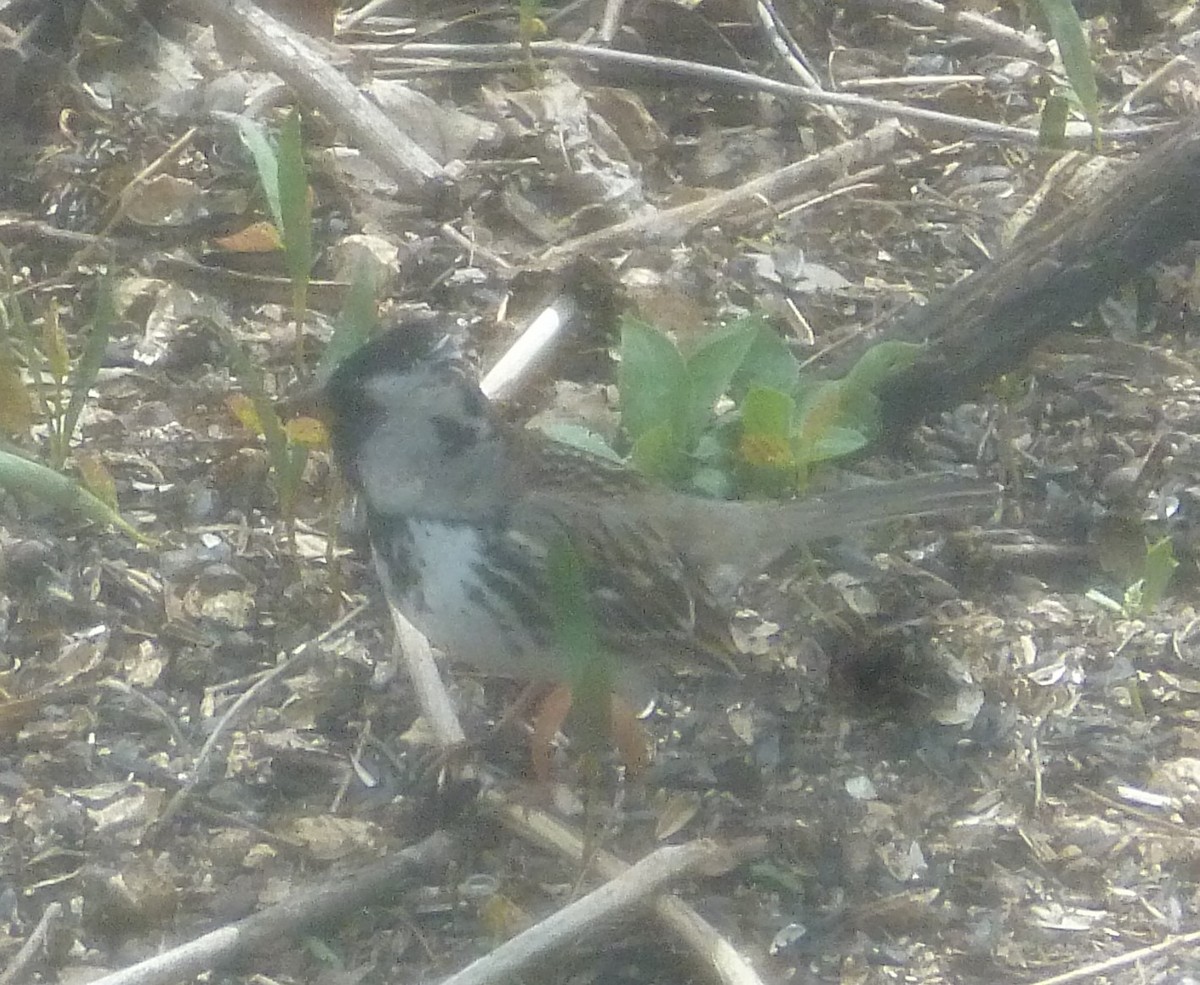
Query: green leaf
32, 480
87, 369
879, 362
767, 464
653, 381
768, 413
1159, 569
712, 483
858, 403
591, 670
710, 369
836, 442
266, 163
1052, 126
356, 322
295, 210
585, 439
1067, 30
657, 453
287, 459
768, 363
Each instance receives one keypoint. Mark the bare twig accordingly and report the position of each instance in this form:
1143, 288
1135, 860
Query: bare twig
672, 225
1001, 38
695, 73
707, 945
302, 910
610, 22
18, 967
1090, 972
300, 64
617, 901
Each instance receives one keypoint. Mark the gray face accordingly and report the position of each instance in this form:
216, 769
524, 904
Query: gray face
416, 438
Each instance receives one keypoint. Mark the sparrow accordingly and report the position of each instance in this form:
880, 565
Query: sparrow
463, 511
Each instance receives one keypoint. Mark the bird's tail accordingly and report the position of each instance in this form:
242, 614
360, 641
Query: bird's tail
731, 541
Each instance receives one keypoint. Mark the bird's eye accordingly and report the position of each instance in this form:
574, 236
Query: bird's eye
455, 435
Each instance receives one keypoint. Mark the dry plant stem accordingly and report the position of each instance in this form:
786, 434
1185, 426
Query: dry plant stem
300, 64
1091, 972
909, 81
1004, 40
139, 179
427, 682
790, 53
673, 225
615, 902
356, 17
304, 909
14, 229
694, 73
610, 22
701, 938
19, 965
785, 45
476, 254
1151, 85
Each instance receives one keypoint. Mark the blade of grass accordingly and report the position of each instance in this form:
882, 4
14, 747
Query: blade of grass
88, 366
266, 163
295, 209
1067, 30
24, 477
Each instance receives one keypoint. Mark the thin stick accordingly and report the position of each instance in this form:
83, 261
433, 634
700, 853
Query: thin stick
21, 961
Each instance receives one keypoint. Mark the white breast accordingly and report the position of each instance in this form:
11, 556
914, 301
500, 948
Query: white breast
447, 604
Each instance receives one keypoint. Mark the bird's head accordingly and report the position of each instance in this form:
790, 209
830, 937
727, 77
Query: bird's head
410, 428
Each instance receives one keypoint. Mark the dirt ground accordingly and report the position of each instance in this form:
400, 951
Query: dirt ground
960, 750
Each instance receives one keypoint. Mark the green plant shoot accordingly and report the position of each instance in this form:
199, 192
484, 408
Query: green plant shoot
591, 671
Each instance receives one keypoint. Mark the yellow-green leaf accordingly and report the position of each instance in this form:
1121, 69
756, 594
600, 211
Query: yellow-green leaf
54, 345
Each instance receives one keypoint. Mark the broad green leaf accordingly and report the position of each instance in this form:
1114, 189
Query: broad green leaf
266, 163
712, 483
585, 439
766, 462
657, 453
768, 413
1067, 30
653, 382
713, 445
710, 370
878, 363
837, 442
858, 403
820, 413
768, 363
